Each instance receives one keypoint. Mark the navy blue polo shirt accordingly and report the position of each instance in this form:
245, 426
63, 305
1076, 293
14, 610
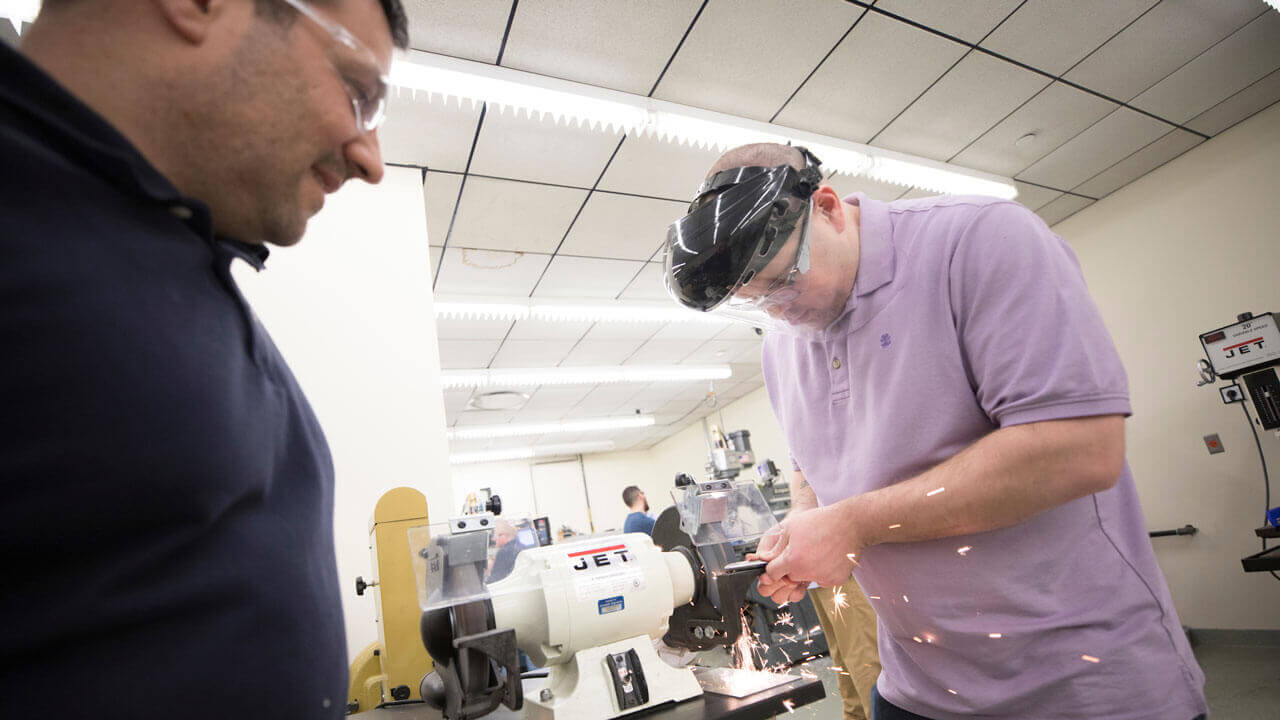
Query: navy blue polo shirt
166, 493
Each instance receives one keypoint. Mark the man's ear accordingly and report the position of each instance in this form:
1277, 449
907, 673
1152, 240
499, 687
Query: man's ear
828, 205
192, 19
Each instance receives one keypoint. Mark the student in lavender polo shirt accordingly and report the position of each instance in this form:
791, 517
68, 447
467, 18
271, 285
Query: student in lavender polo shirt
956, 409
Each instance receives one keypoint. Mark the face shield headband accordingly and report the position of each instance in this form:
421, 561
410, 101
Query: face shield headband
737, 224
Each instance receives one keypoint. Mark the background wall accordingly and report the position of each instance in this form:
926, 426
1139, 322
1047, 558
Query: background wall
1175, 254
349, 311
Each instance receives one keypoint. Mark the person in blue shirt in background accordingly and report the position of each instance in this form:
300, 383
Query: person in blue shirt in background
639, 520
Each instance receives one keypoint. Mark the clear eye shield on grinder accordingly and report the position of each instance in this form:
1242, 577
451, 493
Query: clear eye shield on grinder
740, 223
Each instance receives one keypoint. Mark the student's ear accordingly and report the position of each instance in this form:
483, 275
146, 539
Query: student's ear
192, 19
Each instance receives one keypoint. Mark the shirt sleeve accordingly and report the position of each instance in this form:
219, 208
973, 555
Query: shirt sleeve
1033, 342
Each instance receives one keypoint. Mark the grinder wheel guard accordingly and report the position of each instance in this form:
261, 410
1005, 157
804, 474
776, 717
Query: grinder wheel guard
713, 618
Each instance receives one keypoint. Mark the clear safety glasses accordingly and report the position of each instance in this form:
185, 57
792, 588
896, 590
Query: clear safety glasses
363, 77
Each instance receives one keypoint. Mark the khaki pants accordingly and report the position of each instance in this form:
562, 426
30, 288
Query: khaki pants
851, 636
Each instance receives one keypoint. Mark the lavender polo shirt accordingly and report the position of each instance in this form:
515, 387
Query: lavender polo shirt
969, 315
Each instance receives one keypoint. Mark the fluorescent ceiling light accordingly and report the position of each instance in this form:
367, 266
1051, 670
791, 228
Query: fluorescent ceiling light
19, 11
532, 377
487, 308
527, 453
478, 432
444, 78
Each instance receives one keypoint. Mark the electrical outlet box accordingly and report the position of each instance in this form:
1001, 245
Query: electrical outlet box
1231, 394
1214, 444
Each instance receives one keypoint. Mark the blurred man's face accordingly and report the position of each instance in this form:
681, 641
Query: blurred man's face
282, 134
644, 500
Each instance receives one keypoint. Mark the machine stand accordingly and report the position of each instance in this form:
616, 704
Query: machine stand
589, 685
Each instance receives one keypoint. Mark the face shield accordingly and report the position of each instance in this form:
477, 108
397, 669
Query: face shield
743, 250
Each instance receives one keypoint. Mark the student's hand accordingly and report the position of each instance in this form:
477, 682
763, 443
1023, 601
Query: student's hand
772, 544
817, 546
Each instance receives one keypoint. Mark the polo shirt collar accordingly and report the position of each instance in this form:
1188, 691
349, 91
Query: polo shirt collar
875, 260
86, 138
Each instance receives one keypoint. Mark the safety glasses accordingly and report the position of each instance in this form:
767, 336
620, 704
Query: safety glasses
362, 75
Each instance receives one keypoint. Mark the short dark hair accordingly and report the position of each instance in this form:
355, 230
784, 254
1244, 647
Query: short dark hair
630, 494
393, 9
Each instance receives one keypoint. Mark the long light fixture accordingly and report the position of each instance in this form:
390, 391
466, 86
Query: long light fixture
617, 311
445, 78
594, 375
527, 453
479, 432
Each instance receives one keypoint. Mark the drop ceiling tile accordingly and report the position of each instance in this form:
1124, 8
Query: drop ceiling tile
514, 145
719, 69
1051, 35
1243, 104
480, 417
648, 166
1237, 62
462, 354
557, 398
1115, 136
1063, 208
877, 71
433, 133
532, 353
718, 352
970, 20
617, 44
847, 185
648, 285
738, 331
1054, 116
606, 400
663, 352
1034, 197
686, 331
680, 405
471, 329
436, 254
470, 29
1158, 43
621, 226
601, 352
509, 215
1138, 164
623, 331
548, 330
656, 395
977, 93
574, 277
440, 191
487, 272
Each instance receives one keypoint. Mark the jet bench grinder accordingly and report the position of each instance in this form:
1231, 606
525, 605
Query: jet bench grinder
590, 611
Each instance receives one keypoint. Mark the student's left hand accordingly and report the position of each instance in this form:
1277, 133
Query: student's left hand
817, 546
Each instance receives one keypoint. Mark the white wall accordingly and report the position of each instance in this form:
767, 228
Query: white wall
1175, 254
350, 309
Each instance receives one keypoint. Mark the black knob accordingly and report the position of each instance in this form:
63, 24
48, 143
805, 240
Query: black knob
494, 505
683, 479
400, 692
360, 585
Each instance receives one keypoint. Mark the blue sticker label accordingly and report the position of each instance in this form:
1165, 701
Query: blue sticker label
611, 604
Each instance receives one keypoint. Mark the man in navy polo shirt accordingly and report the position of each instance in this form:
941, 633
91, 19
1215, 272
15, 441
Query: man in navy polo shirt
956, 409
167, 490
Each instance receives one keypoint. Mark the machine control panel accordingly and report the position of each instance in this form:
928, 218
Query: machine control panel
1246, 344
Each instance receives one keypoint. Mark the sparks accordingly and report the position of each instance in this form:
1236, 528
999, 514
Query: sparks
995, 636
747, 651
790, 705
814, 629
783, 619
964, 550
838, 597
953, 692
906, 599
853, 559
1090, 658
873, 597
917, 638
895, 526
931, 493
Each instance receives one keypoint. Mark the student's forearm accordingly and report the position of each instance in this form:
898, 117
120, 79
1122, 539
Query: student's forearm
1003, 479
802, 495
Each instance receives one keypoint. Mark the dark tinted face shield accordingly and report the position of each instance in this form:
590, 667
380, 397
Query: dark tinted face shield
739, 222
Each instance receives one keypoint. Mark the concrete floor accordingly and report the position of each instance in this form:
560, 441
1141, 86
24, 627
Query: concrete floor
1241, 683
